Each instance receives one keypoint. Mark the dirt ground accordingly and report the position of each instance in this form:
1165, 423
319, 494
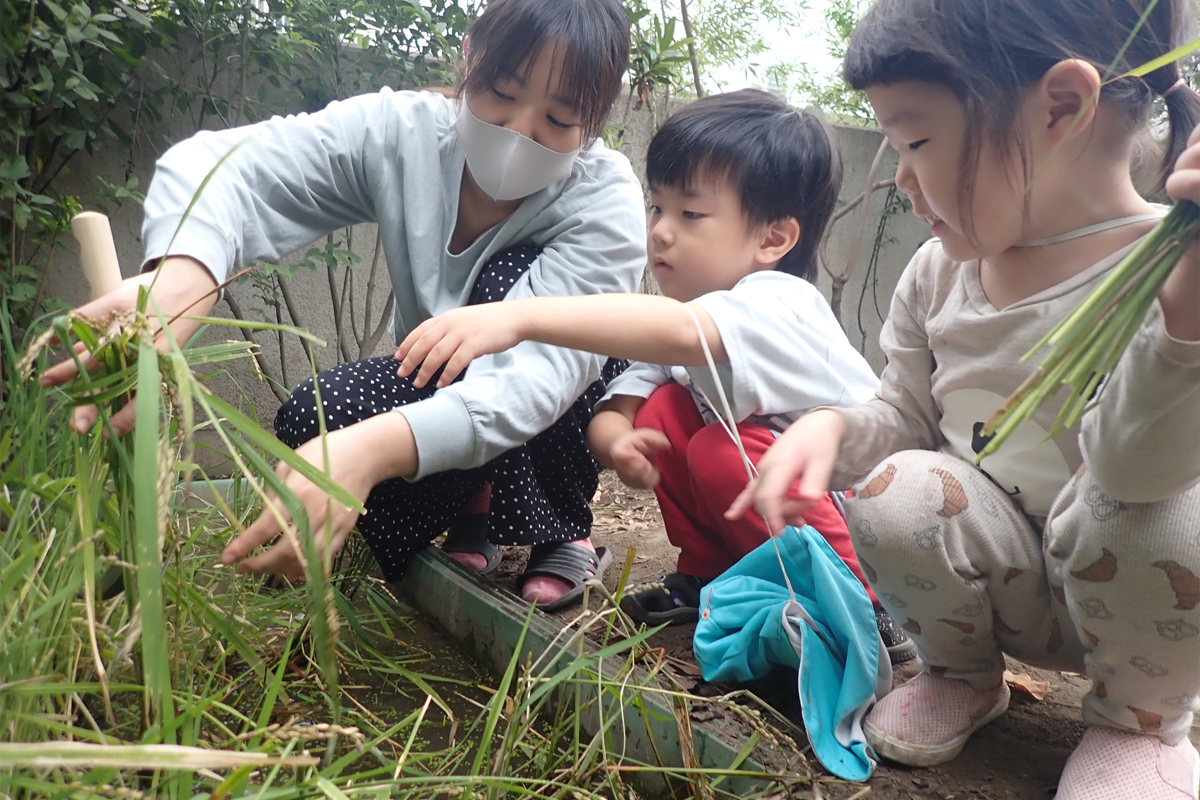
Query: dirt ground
1020, 755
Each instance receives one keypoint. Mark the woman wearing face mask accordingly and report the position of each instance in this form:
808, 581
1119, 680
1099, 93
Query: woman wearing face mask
501, 192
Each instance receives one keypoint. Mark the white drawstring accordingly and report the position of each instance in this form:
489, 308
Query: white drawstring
731, 428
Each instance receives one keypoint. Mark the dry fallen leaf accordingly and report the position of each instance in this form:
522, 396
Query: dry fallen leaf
1026, 685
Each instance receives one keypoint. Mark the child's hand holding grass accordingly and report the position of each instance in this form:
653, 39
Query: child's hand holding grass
1089, 343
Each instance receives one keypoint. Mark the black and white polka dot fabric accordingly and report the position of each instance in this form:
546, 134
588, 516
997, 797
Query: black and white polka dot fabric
540, 491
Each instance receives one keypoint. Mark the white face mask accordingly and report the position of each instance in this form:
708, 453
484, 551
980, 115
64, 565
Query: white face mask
505, 164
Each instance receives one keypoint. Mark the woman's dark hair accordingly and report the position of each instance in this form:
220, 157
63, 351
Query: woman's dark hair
782, 162
591, 46
989, 51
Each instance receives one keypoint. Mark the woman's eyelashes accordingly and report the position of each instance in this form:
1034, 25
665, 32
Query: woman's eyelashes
557, 122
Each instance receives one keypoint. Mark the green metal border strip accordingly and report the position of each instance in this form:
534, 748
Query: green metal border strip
488, 622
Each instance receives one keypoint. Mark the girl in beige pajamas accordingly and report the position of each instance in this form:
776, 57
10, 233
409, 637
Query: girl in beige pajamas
1081, 553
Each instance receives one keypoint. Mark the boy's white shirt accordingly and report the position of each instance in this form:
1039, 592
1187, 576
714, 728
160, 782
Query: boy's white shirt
787, 355
953, 359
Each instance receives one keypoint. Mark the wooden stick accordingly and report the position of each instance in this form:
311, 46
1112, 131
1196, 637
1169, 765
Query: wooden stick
97, 252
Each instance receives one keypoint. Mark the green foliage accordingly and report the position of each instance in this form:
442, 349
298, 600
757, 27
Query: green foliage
729, 33
118, 630
300, 54
1086, 347
66, 70
725, 33
92, 74
658, 56
829, 92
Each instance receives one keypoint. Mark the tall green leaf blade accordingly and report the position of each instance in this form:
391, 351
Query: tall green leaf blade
254, 432
147, 529
1162, 61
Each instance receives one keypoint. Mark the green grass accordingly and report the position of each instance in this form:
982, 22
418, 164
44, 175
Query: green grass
133, 665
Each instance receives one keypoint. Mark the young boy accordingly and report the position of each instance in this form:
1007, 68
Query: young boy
741, 189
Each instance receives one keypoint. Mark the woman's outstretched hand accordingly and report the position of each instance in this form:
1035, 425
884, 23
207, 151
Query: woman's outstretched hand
456, 338
182, 285
794, 474
357, 461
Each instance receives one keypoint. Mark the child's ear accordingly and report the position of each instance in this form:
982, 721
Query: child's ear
1066, 98
778, 239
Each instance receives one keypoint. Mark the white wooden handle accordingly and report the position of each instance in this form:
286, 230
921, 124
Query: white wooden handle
97, 252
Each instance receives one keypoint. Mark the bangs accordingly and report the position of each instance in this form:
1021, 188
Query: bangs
687, 165
900, 41
589, 41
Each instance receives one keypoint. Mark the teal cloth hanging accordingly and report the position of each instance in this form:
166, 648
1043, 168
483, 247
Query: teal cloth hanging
749, 623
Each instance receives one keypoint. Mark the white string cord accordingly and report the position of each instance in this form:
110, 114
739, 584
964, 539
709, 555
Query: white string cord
729, 423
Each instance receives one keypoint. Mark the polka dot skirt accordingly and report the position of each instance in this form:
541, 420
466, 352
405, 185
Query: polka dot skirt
540, 491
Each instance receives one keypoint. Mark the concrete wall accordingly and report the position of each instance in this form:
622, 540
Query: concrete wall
865, 299
868, 292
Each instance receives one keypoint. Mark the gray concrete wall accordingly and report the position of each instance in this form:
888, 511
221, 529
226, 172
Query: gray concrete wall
865, 299
868, 292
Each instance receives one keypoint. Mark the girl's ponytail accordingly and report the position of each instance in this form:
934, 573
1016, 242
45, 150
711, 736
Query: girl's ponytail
1183, 111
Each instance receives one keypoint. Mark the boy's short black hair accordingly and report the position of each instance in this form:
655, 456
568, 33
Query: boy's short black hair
782, 162
591, 46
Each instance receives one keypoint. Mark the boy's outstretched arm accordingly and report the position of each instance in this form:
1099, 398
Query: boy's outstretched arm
639, 327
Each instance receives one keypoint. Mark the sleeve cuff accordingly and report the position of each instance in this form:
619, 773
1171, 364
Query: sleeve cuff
631, 383
443, 432
197, 239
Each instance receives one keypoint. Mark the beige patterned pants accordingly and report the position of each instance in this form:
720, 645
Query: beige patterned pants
1107, 589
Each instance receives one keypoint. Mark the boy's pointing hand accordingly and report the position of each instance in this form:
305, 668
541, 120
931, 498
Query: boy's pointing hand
455, 339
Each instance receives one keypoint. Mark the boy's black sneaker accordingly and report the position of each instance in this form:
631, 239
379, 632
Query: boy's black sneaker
900, 648
672, 600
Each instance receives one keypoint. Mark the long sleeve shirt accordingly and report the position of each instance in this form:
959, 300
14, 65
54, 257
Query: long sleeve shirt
953, 359
394, 158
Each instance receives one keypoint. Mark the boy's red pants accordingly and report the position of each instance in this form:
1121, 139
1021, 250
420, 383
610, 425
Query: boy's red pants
702, 473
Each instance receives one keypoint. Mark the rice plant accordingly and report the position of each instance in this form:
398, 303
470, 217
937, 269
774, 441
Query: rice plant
132, 665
